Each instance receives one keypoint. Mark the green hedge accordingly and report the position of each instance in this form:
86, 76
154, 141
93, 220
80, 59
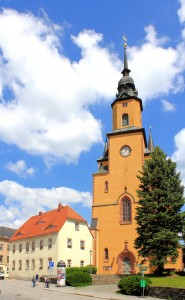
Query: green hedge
130, 285
79, 278
88, 269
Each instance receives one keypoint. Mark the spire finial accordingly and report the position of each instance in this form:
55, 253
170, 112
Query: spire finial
125, 42
126, 70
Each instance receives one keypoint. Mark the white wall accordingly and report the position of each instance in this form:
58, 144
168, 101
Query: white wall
75, 253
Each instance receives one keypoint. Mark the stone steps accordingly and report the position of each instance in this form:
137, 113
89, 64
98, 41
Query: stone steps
105, 279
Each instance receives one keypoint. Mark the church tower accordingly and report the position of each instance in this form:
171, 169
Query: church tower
115, 182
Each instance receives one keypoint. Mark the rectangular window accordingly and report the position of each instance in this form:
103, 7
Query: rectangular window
49, 243
69, 243
27, 264
77, 226
82, 263
41, 244
13, 248
40, 264
13, 265
20, 247
33, 264
7, 259
27, 246
1, 247
33, 246
1, 258
8, 247
82, 245
69, 263
20, 264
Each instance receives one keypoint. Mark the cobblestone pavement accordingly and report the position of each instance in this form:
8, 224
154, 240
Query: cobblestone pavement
12, 289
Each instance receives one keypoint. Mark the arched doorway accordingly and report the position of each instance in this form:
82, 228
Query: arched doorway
126, 261
126, 265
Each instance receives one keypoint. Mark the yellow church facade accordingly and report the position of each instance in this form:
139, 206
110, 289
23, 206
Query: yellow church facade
115, 183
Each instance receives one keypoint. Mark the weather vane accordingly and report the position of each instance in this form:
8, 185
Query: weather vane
125, 42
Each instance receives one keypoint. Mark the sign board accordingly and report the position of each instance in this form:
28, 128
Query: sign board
143, 283
105, 268
51, 264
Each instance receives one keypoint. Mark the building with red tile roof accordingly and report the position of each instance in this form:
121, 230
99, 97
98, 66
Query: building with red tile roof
59, 234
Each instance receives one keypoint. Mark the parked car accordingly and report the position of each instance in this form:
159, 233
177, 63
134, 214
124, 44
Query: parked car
1, 275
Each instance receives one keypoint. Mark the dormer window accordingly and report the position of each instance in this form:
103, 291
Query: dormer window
40, 222
125, 119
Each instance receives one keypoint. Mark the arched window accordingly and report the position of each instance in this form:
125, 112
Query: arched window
106, 254
126, 210
106, 187
125, 119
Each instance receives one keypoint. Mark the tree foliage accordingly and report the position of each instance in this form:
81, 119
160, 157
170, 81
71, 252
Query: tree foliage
158, 215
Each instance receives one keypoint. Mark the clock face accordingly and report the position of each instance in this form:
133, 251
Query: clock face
125, 151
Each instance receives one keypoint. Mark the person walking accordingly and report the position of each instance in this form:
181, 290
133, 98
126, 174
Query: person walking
33, 281
37, 278
47, 281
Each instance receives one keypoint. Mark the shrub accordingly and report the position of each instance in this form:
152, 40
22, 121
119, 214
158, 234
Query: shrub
90, 269
79, 278
130, 285
72, 269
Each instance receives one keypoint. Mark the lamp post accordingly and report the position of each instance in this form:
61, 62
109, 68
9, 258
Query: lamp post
90, 252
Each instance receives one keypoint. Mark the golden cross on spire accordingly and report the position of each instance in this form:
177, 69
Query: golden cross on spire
125, 42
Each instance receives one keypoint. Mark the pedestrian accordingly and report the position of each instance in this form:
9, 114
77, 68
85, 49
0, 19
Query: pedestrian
47, 281
33, 281
37, 278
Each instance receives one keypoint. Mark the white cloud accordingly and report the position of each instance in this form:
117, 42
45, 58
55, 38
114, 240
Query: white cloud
178, 155
20, 168
48, 111
23, 202
181, 11
45, 97
155, 68
167, 106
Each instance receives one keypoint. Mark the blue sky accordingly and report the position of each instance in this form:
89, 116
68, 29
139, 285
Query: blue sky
60, 63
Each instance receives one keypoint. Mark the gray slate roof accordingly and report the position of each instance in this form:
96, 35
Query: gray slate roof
6, 232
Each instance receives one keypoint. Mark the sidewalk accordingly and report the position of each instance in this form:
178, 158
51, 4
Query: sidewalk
98, 291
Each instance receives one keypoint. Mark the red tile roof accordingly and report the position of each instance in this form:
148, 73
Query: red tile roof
46, 223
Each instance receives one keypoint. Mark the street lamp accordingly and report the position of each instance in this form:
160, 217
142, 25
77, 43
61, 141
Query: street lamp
90, 252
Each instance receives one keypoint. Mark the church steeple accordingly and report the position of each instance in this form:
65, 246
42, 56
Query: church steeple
126, 86
150, 141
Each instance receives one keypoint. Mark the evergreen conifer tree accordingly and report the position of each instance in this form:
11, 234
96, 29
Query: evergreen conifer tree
158, 215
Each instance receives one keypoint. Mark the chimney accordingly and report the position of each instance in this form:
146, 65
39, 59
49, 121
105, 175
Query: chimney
40, 213
59, 207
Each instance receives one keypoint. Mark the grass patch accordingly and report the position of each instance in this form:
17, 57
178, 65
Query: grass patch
168, 281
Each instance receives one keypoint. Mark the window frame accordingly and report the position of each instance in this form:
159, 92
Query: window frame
50, 243
69, 263
82, 244
41, 244
126, 210
69, 243
20, 247
125, 119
